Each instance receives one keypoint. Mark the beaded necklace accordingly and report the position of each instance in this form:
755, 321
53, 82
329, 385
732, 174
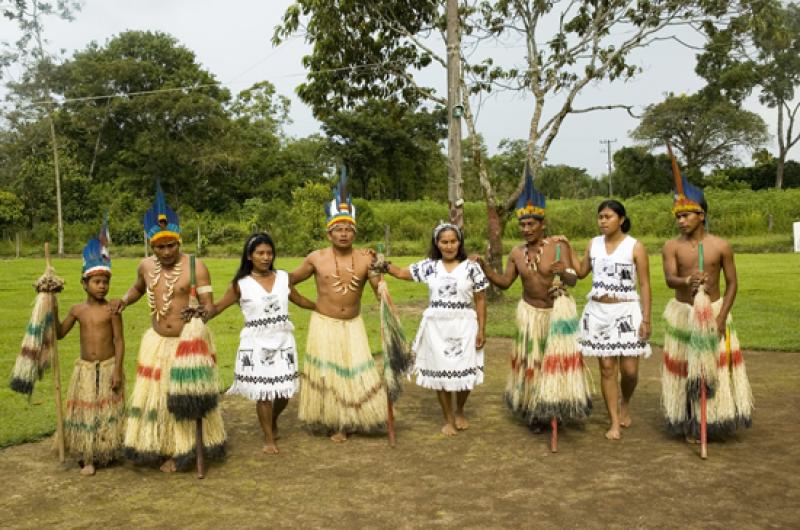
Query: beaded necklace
170, 278
534, 264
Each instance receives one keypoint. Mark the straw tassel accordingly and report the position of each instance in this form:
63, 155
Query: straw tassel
398, 359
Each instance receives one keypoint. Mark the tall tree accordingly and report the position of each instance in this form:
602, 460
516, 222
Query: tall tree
759, 50
29, 49
638, 171
378, 49
707, 132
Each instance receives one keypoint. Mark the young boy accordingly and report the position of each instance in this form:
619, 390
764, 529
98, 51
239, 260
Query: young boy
94, 425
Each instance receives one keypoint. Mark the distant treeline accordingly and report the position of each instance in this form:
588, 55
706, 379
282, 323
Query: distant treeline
763, 219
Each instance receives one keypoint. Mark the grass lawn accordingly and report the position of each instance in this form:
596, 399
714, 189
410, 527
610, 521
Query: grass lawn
766, 313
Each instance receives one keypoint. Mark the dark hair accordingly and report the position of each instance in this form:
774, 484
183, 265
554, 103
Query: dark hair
246, 266
619, 209
435, 253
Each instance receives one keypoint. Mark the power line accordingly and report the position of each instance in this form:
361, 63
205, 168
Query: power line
608, 143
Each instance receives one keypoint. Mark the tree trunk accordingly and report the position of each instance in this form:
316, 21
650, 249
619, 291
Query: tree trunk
454, 78
494, 252
779, 170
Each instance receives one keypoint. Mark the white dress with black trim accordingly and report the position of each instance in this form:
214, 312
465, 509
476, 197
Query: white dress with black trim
611, 329
447, 358
266, 362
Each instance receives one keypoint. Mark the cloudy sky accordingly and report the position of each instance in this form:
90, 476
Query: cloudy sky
232, 40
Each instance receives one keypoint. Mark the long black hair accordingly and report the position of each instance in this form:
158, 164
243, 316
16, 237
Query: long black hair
618, 209
246, 266
435, 253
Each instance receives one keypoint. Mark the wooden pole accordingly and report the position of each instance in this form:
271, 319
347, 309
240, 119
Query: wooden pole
703, 397
201, 458
553, 435
17, 245
455, 195
389, 405
56, 371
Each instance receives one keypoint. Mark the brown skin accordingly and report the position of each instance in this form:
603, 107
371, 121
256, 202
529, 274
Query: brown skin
536, 285
681, 265
322, 264
262, 258
610, 224
167, 250
100, 330
448, 245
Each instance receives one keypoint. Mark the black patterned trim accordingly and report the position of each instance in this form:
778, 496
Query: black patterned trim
266, 321
614, 346
613, 288
441, 304
266, 380
450, 374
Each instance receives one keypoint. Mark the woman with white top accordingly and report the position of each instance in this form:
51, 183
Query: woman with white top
266, 361
615, 325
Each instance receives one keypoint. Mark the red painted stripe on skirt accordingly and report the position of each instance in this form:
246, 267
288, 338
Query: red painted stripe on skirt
192, 347
736, 358
705, 315
563, 364
80, 404
149, 372
675, 367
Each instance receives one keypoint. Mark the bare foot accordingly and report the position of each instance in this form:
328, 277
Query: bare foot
461, 422
87, 471
624, 416
169, 466
613, 433
692, 440
449, 429
270, 448
339, 437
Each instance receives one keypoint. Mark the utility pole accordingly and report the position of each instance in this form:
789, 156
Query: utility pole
455, 194
608, 151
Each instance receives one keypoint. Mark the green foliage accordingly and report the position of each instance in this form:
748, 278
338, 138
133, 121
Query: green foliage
706, 131
636, 171
11, 211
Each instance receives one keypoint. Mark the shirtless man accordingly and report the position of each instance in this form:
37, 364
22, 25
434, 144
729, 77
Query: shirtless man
95, 420
534, 261
153, 433
342, 390
732, 404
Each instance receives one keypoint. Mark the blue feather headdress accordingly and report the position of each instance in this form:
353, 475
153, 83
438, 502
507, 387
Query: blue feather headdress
688, 198
160, 220
341, 209
96, 258
531, 203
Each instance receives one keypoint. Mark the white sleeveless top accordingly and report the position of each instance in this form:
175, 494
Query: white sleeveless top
613, 275
263, 309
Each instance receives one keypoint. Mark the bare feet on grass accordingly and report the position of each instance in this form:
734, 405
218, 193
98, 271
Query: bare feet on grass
88, 470
461, 422
692, 440
169, 466
449, 429
339, 437
270, 448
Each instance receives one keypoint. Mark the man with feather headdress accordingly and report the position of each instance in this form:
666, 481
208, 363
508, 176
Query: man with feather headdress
153, 433
342, 390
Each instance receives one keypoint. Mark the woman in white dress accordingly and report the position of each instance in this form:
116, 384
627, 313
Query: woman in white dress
615, 325
449, 343
266, 362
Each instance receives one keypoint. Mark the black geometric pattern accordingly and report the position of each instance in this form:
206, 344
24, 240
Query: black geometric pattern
266, 380
613, 346
444, 304
451, 374
266, 321
613, 288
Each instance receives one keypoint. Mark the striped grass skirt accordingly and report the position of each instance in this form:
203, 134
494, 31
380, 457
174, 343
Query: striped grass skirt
153, 433
342, 389
94, 425
526, 359
731, 406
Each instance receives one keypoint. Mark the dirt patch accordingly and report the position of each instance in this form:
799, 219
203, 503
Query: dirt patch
496, 474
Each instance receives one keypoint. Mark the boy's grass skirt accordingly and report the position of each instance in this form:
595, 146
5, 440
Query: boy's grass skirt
562, 391
342, 390
94, 426
732, 404
526, 359
153, 433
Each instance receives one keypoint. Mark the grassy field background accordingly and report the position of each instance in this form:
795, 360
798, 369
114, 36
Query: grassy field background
766, 312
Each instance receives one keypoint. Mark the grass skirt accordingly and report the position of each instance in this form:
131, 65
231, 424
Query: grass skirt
342, 389
526, 360
94, 425
153, 433
732, 404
